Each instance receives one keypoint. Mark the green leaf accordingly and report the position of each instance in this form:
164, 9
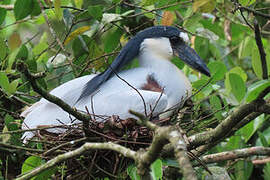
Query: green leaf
4, 83
235, 142
11, 59
238, 86
10, 123
213, 27
36, 8
217, 69
148, 2
245, 47
58, 10
266, 171
147, 13
193, 23
205, 91
23, 53
205, 6
256, 62
156, 170
255, 89
116, 1
3, 13
112, 40
13, 86
3, 49
78, 3
23, 8
95, 11
78, 46
235, 70
243, 169
266, 134
201, 47
246, 2
248, 130
132, 172
216, 106
238, 70
263, 140
41, 46
32, 64
31, 163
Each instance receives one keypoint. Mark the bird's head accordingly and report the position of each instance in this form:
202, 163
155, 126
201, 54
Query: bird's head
163, 40
166, 41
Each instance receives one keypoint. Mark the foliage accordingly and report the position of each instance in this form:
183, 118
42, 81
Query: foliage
83, 36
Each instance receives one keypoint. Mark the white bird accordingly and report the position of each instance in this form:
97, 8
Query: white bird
114, 92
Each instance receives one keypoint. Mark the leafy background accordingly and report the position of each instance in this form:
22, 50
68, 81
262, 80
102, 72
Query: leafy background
84, 36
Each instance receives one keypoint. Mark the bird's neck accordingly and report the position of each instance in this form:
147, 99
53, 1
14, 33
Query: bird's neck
152, 60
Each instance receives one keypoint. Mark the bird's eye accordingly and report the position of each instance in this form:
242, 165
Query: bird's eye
175, 40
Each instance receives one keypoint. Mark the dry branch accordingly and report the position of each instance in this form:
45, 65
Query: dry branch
87, 146
236, 154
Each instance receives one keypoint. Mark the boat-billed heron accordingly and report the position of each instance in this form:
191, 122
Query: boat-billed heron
157, 85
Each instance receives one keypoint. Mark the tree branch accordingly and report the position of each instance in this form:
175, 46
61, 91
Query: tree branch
164, 135
261, 49
87, 146
236, 154
180, 151
226, 125
267, 16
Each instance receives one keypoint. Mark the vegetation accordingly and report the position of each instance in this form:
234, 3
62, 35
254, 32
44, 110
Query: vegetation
44, 43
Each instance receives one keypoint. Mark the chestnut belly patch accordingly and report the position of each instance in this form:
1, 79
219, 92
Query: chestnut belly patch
152, 84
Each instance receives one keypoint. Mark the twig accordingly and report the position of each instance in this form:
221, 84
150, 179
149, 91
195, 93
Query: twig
236, 154
144, 104
226, 125
254, 12
11, 7
95, 59
50, 151
242, 14
261, 49
87, 146
20, 148
143, 120
152, 111
157, 9
261, 161
34, 129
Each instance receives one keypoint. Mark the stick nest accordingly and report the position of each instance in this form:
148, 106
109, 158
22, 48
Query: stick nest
96, 163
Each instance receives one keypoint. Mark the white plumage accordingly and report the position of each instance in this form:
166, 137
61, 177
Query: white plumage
116, 97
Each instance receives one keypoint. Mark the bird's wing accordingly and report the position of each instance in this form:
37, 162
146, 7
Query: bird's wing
43, 110
117, 103
120, 102
69, 92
